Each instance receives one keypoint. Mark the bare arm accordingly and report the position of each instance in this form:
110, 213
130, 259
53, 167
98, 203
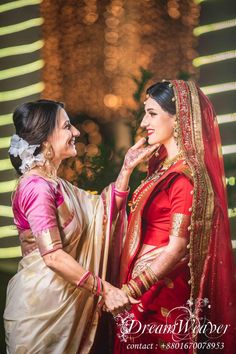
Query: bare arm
69, 269
170, 256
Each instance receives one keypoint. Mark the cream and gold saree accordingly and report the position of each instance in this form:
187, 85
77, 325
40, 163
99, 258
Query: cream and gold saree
44, 313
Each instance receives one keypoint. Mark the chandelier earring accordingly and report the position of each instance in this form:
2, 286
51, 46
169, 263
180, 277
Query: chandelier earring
175, 132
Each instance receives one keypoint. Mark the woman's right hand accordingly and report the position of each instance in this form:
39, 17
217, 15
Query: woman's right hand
138, 153
116, 300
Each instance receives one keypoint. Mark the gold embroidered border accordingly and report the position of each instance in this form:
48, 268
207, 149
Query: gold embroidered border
179, 224
48, 240
27, 242
189, 125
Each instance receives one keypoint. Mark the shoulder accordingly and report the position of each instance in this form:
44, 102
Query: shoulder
35, 188
182, 168
179, 175
180, 193
181, 182
37, 183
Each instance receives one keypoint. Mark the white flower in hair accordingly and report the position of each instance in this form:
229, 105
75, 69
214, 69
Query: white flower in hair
20, 147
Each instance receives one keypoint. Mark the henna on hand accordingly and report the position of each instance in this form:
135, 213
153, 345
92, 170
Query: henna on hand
165, 263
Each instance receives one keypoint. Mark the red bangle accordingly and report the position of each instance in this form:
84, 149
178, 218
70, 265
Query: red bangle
121, 194
83, 279
99, 286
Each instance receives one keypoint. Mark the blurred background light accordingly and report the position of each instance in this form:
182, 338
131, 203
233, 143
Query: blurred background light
21, 49
213, 89
5, 119
22, 26
214, 27
12, 5
213, 58
21, 70
21, 92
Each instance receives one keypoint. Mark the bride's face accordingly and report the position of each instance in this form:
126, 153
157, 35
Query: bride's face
158, 123
63, 137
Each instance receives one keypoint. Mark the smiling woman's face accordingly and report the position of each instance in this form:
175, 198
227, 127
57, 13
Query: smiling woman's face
63, 137
158, 123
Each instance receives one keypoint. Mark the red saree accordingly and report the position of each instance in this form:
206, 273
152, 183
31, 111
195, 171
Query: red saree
205, 280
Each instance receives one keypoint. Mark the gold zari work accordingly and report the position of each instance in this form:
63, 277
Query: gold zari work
179, 225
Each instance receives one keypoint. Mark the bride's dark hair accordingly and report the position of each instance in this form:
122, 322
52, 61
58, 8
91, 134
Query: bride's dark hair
163, 94
34, 122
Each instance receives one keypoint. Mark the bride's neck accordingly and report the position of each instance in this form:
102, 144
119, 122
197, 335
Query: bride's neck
171, 148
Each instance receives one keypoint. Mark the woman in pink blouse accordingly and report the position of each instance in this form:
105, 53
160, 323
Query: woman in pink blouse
65, 234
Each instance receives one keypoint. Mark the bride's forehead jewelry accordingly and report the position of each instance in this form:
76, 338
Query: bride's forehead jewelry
20, 147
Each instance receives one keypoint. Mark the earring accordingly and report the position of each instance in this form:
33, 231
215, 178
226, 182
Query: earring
156, 153
175, 132
48, 153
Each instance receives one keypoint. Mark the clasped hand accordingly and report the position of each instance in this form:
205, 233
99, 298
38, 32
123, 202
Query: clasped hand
115, 299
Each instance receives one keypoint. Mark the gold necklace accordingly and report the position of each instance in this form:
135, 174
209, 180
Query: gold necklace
43, 173
166, 162
49, 175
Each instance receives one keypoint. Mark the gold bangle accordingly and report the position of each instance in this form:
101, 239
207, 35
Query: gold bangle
151, 274
133, 284
127, 290
144, 281
149, 279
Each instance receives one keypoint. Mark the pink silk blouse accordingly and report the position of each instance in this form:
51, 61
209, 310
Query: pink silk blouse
35, 206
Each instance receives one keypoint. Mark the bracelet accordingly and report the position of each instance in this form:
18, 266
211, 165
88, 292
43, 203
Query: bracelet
127, 290
137, 286
121, 194
93, 291
83, 279
99, 286
151, 275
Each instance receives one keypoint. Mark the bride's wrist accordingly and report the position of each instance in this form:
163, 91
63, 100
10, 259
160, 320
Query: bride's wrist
127, 170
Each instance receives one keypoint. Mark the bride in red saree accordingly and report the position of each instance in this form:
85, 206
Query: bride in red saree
177, 255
